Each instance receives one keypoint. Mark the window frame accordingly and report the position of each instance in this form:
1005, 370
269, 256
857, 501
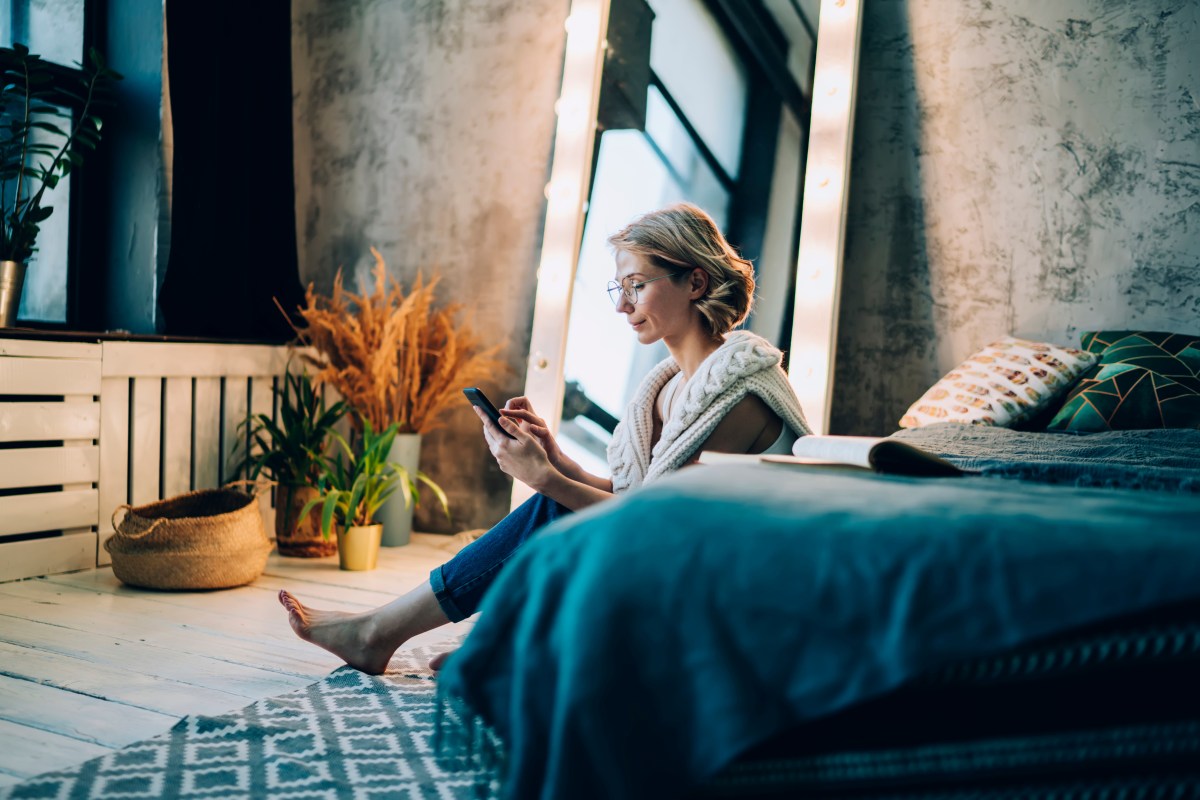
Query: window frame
82, 228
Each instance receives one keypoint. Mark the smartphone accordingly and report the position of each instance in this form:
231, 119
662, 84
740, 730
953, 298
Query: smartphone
480, 400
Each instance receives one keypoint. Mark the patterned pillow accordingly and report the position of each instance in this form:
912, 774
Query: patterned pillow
1003, 384
1145, 379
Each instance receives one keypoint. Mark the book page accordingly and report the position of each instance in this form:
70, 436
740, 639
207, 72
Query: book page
858, 452
837, 449
713, 457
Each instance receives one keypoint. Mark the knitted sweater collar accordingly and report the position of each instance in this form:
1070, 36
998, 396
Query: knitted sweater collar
708, 395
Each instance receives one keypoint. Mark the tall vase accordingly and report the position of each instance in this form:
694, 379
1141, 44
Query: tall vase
12, 279
395, 515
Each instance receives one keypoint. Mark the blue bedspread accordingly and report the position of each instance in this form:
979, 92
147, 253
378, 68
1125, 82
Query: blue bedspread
1158, 460
635, 649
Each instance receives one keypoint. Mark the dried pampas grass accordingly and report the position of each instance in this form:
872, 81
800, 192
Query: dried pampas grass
395, 357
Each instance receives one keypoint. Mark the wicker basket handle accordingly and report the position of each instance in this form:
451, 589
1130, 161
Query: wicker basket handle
255, 483
117, 530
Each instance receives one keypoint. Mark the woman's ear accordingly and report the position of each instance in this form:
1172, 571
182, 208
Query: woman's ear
697, 283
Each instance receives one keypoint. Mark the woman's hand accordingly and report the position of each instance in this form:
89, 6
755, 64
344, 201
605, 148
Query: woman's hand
521, 410
523, 457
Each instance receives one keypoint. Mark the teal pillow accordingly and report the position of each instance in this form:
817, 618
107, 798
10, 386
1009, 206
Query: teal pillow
1144, 379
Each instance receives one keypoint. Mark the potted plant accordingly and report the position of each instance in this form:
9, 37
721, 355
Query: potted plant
397, 359
351, 490
289, 451
41, 139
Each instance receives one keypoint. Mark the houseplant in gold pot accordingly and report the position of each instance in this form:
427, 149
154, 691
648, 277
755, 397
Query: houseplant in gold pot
350, 491
47, 122
399, 359
288, 450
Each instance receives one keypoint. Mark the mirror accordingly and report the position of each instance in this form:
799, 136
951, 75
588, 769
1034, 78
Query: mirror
711, 105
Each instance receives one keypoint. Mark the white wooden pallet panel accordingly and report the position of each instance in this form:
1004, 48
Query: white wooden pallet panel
164, 420
39, 422
114, 457
236, 405
206, 433
48, 466
35, 348
262, 401
191, 360
47, 511
145, 441
177, 437
49, 376
34, 557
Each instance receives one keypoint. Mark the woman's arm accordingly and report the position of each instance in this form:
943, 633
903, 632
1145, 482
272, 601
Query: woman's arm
573, 494
749, 427
525, 458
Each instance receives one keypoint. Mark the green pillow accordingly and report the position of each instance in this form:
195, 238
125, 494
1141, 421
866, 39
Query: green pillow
1144, 379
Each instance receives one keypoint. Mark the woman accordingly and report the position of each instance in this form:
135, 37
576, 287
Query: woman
677, 281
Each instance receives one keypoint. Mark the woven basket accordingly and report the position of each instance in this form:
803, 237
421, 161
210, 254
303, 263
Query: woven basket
210, 539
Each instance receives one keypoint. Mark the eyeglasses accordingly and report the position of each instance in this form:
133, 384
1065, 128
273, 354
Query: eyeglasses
629, 290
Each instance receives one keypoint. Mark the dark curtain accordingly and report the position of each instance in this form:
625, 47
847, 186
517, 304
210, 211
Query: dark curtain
233, 223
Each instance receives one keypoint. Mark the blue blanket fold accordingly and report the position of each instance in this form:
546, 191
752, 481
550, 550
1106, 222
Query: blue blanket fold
634, 649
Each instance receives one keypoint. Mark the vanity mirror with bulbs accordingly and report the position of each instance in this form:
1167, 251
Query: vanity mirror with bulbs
743, 108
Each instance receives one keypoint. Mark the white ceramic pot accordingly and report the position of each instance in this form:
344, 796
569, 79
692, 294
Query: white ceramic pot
395, 516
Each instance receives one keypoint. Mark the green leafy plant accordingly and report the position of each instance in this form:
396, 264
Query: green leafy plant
358, 480
290, 450
41, 138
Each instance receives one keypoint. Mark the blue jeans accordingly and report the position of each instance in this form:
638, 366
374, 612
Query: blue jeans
461, 582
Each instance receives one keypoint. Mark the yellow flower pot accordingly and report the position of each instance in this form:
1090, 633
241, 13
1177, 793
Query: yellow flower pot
358, 546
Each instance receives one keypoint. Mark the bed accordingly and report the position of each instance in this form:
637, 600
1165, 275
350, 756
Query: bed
1031, 629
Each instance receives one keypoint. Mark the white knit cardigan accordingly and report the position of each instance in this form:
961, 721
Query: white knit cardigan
744, 364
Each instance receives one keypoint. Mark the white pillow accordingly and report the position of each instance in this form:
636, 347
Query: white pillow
1003, 384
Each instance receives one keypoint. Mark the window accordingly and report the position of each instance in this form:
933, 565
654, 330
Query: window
54, 30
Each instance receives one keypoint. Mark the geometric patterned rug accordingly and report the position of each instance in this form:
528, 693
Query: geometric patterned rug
350, 735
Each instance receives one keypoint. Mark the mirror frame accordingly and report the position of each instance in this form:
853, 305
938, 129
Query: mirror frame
813, 349
566, 195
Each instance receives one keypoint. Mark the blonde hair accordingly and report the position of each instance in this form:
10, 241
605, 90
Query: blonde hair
682, 237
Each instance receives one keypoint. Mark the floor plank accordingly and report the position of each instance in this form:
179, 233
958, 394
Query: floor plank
87, 673
31, 751
90, 719
88, 664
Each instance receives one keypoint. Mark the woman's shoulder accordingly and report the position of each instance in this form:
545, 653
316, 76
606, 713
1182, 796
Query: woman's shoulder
750, 408
747, 422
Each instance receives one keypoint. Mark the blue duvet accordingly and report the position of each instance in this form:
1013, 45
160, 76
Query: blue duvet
634, 649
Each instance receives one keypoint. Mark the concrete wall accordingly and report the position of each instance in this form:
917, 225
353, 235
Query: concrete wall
425, 129
1019, 167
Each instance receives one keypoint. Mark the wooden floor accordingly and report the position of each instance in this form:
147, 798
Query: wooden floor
88, 665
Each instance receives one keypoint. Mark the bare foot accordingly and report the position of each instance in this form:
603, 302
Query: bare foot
438, 661
350, 637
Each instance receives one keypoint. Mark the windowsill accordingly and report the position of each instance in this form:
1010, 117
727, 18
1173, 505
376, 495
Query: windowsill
60, 335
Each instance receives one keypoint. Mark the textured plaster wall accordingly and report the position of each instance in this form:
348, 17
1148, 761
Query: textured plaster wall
424, 129
1019, 167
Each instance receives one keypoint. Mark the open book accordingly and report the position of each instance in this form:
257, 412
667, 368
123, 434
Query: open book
862, 452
